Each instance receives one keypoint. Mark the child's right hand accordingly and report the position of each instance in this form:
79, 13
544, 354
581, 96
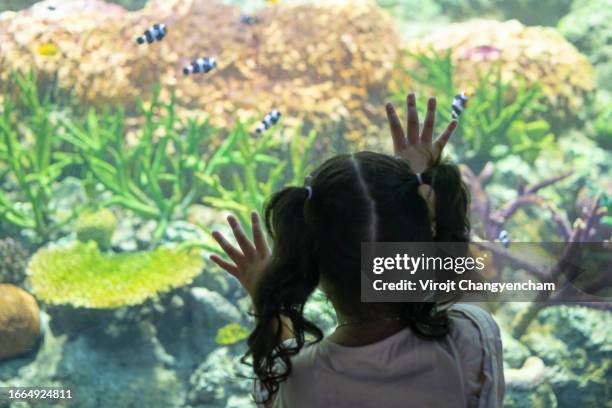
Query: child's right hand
416, 146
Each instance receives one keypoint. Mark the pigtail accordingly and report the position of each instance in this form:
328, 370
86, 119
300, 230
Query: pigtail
452, 202
284, 288
430, 319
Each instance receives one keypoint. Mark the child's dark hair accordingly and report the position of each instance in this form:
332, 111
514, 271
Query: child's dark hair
317, 235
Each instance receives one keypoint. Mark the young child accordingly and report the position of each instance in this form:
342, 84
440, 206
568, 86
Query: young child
381, 354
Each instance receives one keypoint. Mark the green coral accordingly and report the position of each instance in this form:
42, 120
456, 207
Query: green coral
530, 12
32, 160
497, 122
234, 172
540, 397
16, 5
82, 276
97, 226
602, 122
231, 334
577, 342
588, 27
155, 178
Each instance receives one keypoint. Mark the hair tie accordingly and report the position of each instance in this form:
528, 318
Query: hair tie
419, 178
309, 190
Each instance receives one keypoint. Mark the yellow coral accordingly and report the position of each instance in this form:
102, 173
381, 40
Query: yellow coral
82, 276
231, 334
96, 226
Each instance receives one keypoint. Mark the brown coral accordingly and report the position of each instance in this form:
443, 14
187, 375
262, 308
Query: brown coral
532, 54
19, 321
325, 65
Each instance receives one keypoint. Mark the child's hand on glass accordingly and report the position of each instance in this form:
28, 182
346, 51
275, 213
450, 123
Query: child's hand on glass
416, 146
249, 259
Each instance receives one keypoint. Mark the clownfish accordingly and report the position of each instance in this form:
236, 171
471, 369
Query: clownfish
201, 65
155, 33
460, 102
269, 120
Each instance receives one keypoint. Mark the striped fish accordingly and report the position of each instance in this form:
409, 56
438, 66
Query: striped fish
155, 33
269, 120
460, 103
201, 65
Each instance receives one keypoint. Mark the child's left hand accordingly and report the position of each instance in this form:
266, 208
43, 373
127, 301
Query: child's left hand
250, 259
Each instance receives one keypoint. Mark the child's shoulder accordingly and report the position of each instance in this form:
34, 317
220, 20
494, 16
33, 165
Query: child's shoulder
474, 319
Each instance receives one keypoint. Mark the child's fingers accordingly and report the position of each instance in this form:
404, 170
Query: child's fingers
430, 119
248, 249
413, 119
258, 236
448, 132
397, 133
229, 267
231, 251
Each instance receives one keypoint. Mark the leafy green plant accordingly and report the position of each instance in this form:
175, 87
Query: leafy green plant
99, 280
155, 176
246, 160
31, 160
496, 122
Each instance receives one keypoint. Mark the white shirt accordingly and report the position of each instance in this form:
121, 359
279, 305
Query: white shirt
464, 369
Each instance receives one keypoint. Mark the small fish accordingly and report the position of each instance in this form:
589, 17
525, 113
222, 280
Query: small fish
48, 49
51, 8
269, 120
503, 238
155, 33
460, 102
201, 65
248, 19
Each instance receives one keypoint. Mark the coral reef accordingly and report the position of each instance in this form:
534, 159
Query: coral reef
525, 54
16, 4
530, 12
325, 65
217, 379
19, 321
13, 261
587, 26
576, 343
210, 310
536, 397
97, 226
515, 353
58, 4
106, 280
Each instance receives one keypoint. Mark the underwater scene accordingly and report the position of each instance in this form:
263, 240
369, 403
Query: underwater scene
130, 129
